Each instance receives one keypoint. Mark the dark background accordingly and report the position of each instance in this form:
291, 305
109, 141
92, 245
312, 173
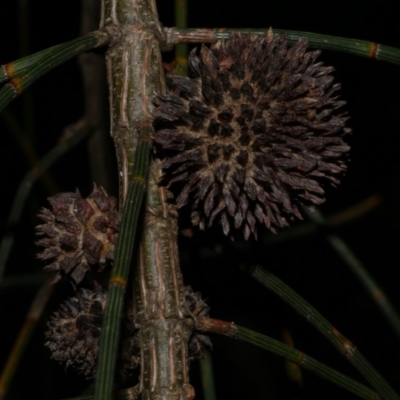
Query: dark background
307, 264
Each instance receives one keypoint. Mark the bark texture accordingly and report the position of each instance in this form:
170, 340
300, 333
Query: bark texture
134, 76
162, 316
134, 73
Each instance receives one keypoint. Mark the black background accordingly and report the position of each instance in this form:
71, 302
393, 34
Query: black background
307, 264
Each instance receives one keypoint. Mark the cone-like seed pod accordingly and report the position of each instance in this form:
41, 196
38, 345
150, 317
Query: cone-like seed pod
198, 308
253, 135
74, 333
79, 233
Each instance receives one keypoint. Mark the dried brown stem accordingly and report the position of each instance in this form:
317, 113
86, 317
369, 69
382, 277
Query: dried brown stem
215, 325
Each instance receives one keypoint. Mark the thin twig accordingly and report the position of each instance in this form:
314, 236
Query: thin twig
352, 261
15, 128
73, 134
22, 340
341, 217
357, 47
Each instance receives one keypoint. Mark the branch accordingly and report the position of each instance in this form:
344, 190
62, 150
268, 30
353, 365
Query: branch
341, 343
22, 73
289, 353
25, 334
356, 47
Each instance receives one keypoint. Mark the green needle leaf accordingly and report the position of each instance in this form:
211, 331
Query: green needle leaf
122, 264
29, 71
342, 344
289, 353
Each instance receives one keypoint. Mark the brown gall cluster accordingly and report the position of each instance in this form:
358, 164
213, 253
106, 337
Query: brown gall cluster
254, 134
74, 333
78, 234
